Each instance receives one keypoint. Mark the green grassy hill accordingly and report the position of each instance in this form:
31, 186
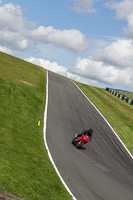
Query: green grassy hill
25, 169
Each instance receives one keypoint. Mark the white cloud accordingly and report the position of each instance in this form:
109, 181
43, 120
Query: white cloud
83, 6
11, 17
7, 50
46, 64
129, 29
118, 53
111, 65
17, 33
102, 73
71, 39
12, 25
13, 39
95, 70
124, 10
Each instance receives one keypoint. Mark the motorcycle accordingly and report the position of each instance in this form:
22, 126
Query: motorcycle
78, 142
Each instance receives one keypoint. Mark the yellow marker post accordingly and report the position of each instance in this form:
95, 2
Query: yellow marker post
39, 123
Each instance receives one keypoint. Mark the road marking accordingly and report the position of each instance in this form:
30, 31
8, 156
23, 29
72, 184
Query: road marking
45, 141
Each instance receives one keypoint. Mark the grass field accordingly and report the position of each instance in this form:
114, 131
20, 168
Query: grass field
25, 169
118, 113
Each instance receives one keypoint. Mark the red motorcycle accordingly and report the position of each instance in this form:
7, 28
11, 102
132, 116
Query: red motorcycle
78, 142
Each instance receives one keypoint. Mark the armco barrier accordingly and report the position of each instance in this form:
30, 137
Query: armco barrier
120, 96
130, 101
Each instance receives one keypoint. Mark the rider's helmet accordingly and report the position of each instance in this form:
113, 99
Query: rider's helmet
91, 131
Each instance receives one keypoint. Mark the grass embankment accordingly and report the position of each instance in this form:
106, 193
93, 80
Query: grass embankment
118, 113
25, 169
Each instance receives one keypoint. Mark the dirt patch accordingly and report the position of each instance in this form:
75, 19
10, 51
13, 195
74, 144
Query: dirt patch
7, 196
26, 83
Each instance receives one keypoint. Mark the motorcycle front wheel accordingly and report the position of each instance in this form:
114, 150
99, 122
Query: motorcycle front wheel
79, 145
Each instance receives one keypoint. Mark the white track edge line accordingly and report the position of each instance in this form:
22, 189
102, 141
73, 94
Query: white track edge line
44, 135
105, 120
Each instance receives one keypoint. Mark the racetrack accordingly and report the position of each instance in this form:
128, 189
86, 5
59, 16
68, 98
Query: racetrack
104, 170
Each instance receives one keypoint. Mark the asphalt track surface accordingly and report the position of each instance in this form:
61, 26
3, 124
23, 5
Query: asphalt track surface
104, 170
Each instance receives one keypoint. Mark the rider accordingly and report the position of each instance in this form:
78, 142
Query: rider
85, 133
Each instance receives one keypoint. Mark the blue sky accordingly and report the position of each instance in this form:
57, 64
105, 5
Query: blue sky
90, 41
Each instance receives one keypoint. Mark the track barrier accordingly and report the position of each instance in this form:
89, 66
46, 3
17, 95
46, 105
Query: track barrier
120, 96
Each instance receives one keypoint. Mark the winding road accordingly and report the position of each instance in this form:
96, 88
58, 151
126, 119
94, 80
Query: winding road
104, 170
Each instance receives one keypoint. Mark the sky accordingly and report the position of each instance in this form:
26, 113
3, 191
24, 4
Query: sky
90, 41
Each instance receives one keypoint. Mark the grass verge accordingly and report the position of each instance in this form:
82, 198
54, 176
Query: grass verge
118, 113
25, 169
